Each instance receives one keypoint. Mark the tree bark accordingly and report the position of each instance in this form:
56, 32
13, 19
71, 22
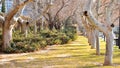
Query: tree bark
87, 29
36, 14
119, 30
26, 31
35, 27
109, 49
93, 39
24, 28
97, 42
42, 23
89, 37
106, 29
7, 37
96, 31
7, 26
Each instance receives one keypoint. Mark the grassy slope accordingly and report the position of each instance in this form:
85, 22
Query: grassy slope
76, 54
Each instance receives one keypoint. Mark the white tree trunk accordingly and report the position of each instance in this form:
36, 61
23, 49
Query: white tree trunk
87, 29
26, 32
24, 29
42, 25
36, 15
109, 36
96, 31
89, 37
97, 42
35, 28
7, 37
7, 26
106, 29
109, 49
42, 22
93, 39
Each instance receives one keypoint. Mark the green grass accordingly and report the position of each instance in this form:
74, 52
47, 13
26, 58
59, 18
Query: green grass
76, 54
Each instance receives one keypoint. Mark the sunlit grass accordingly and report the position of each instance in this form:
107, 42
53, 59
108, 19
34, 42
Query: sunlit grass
75, 54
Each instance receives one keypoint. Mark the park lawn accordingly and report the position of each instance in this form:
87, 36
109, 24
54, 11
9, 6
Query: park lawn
76, 54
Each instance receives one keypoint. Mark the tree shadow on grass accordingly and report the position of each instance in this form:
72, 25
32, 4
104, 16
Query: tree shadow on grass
68, 49
90, 66
76, 45
101, 54
117, 56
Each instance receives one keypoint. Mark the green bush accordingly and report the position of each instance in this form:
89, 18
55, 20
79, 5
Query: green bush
21, 47
43, 44
57, 41
39, 41
50, 41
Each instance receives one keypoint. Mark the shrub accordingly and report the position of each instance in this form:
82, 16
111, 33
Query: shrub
9, 50
43, 44
57, 41
21, 47
41, 40
50, 41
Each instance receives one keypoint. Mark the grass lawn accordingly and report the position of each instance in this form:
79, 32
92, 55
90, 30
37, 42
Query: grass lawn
76, 54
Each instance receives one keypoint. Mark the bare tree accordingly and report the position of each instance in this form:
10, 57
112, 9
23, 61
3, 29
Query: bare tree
105, 28
7, 24
24, 22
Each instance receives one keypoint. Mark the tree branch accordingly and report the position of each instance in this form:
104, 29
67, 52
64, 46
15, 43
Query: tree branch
63, 5
89, 16
116, 19
10, 15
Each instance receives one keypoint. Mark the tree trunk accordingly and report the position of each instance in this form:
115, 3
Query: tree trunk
109, 49
7, 37
96, 31
119, 30
106, 29
88, 36
35, 28
42, 25
51, 25
23, 28
87, 29
104, 37
26, 31
7, 26
97, 42
93, 39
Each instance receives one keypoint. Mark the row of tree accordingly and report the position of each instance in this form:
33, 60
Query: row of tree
105, 25
94, 15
